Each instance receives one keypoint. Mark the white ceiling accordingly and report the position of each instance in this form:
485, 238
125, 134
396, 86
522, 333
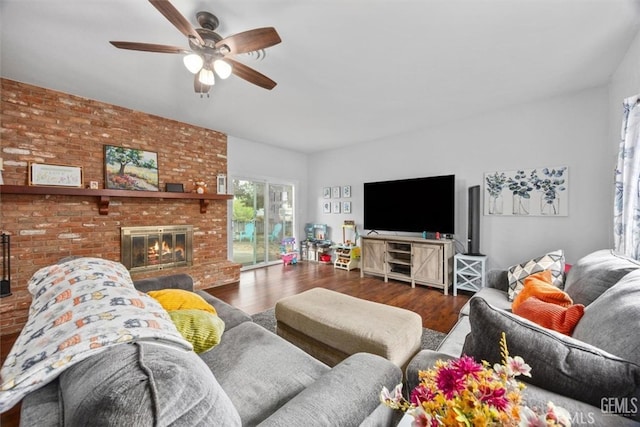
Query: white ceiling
348, 71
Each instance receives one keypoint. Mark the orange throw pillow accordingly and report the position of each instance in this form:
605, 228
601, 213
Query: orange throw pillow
551, 316
539, 285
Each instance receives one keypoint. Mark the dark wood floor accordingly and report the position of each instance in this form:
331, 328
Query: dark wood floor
259, 290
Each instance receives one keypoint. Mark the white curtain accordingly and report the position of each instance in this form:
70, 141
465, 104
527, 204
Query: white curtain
626, 209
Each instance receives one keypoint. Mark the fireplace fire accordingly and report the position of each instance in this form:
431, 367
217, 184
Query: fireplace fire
156, 248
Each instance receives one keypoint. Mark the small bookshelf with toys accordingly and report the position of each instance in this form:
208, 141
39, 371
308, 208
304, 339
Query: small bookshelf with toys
347, 252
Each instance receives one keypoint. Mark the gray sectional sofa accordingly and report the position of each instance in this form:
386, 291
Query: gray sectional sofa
594, 374
253, 377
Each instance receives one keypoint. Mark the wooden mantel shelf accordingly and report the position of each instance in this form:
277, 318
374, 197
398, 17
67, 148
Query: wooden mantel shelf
104, 195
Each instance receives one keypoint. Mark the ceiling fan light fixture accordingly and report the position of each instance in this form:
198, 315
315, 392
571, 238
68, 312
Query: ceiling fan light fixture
193, 62
206, 77
223, 69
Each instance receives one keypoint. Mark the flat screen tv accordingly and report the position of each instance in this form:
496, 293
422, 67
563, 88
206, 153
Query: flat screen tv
411, 205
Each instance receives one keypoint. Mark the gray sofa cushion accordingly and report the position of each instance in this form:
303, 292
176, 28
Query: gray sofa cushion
176, 281
612, 321
558, 363
493, 296
144, 384
344, 403
453, 342
231, 315
260, 371
595, 273
42, 407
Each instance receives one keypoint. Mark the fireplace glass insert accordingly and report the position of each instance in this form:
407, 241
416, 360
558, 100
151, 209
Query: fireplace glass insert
156, 247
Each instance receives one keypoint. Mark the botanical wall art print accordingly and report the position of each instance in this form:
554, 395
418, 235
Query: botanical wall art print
335, 192
527, 192
130, 169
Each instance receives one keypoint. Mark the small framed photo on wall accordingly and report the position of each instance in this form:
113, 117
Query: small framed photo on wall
326, 192
346, 207
346, 191
335, 192
326, 207
336, 207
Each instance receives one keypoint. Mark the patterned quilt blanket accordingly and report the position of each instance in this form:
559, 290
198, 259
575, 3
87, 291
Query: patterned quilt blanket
79, 308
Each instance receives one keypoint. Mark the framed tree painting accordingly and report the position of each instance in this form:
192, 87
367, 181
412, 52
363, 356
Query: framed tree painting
130, 169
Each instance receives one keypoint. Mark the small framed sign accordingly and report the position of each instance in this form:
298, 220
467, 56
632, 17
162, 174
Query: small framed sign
222, 184
55, 175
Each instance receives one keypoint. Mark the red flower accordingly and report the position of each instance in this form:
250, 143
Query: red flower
494, 397
450, 381
466, 365
420, 394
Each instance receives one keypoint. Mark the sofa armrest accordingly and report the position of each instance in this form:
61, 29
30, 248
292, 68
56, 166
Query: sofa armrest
347, 394
425, 359
498, 279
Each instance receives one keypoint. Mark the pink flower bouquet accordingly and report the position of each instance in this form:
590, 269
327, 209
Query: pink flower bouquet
463, 392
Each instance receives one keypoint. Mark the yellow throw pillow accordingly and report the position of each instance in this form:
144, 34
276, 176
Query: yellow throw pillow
179, 299
202, 329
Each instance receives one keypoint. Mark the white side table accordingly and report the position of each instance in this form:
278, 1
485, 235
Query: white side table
469, 272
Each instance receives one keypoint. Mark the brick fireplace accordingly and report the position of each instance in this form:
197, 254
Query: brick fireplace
42, 125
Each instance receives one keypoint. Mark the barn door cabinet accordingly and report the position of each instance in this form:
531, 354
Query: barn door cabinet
410, 259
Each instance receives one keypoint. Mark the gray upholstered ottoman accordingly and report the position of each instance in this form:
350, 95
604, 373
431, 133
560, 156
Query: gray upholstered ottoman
331, 326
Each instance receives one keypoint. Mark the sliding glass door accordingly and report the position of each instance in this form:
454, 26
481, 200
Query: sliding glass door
262, 216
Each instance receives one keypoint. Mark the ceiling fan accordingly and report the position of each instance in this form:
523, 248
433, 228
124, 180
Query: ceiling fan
209, 51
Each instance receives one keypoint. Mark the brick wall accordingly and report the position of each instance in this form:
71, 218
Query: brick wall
41, 125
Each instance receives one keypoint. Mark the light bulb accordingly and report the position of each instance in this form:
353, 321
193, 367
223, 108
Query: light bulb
223, 69
206, 77
193, 62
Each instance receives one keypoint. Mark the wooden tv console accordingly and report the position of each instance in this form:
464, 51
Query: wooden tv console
410, 259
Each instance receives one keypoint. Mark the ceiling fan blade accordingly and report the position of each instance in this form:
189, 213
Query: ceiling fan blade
176, 18
248, 41
149, 47
251, 75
